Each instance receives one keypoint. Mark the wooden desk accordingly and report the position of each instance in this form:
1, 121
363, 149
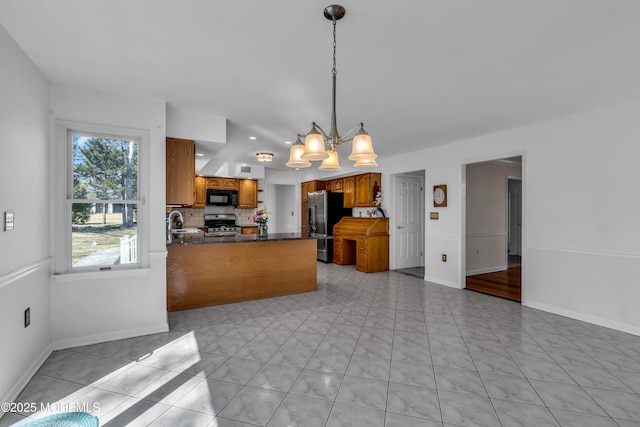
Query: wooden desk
363, 242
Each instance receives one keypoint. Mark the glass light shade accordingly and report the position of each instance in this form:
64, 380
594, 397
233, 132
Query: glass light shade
362, 147
264, 157
331, 162
314, 147
294, 156
365, 163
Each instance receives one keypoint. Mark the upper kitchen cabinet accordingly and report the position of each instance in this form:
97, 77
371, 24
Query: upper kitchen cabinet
337, 185
367, 186
309, 187
349, 190
217, 183
247, 193
180, 170
201, 192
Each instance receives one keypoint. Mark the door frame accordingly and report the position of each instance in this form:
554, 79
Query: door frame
508, 216
462, 219
393, 222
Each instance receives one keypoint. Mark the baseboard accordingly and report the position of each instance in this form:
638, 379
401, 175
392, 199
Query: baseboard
14, 391
622, 327
438, 281
487, 270
109, 336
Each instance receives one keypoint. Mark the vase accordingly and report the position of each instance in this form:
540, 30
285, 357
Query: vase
379, 213
263, 229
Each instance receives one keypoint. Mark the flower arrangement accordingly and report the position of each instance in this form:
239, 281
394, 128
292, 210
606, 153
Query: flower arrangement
261, 216
378, 201
378, 204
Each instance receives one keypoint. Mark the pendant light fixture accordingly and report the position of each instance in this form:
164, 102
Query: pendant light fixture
320, 146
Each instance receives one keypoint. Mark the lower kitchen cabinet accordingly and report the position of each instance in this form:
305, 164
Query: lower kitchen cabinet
249, 230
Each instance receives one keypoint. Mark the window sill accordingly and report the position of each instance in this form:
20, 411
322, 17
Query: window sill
75, 277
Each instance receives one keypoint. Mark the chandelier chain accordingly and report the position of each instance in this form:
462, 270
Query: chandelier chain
334, 71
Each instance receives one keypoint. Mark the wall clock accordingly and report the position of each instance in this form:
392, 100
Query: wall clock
439, 196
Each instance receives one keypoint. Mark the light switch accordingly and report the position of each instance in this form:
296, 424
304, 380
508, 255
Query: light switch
8, 220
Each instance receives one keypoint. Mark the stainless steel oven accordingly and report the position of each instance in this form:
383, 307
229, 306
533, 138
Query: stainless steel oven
221, 225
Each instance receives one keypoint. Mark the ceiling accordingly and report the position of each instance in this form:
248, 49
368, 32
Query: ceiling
417, 73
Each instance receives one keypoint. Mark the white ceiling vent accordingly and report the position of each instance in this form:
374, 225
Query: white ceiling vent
245, 169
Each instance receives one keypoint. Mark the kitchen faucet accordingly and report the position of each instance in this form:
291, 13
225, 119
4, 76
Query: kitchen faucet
169, 221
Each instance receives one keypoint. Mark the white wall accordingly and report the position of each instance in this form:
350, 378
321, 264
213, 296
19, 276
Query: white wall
95, 307
486, 216
24, 189
581, 252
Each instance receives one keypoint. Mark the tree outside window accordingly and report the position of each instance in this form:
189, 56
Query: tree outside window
104, 200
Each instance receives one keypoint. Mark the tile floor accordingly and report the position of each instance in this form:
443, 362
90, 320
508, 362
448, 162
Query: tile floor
412, 271
384, 349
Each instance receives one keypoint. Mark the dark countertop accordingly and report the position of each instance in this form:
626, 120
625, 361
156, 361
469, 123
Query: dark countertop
241, 238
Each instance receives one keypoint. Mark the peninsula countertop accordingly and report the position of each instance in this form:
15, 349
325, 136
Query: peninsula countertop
209, 271
240, 238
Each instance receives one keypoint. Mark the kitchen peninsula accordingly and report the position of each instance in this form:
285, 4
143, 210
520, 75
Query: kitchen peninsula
221, 270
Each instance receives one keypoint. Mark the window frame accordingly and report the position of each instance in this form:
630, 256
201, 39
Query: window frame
63, 208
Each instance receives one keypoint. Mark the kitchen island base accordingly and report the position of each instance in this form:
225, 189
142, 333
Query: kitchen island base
204, 275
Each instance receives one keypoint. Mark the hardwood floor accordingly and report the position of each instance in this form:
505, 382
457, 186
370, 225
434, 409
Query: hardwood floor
505, 284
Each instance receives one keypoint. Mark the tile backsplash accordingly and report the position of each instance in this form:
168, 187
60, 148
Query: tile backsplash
194, 218
244, 216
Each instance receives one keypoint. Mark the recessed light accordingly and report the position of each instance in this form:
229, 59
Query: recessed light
199, 154
288, 142
252, 137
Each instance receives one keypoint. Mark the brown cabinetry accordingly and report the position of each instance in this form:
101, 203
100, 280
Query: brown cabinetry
336, 185
247, 193
367, 186
310, 186
201, 192
217, 183
349, 190
363, 242
180, 171
214, 183
249, 230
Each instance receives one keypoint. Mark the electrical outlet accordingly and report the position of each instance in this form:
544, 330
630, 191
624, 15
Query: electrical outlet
8, 220
27, 317
444, 257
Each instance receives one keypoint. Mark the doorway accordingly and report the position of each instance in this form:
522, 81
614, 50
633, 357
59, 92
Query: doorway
409, 223
280, 199
493, 223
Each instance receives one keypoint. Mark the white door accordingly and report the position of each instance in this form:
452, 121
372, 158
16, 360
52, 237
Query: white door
410, 218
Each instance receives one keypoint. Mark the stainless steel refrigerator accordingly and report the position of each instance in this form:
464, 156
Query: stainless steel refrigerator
325, 210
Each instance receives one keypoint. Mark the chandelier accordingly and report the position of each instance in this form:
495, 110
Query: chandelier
317, 141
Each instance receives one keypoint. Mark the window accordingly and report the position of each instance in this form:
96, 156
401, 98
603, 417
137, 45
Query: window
103, 201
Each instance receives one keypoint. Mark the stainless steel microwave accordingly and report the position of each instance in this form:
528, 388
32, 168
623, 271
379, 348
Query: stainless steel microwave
222, 198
